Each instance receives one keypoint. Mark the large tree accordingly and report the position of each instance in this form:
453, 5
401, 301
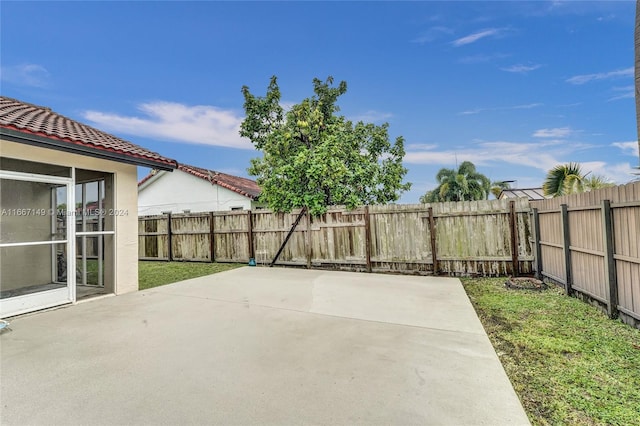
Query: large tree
312, 157
461, 184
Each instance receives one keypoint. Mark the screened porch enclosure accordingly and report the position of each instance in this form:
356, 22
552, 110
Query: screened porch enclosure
31, 244
47, 213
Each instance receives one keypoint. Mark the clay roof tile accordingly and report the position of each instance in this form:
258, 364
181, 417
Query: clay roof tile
42, 121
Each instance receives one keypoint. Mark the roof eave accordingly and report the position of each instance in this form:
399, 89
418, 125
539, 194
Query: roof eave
29, 138
215, 181
149, 179
231, 188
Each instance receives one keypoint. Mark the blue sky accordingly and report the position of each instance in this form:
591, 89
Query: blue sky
515, 87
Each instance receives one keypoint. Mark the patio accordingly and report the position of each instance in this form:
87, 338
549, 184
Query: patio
260, 346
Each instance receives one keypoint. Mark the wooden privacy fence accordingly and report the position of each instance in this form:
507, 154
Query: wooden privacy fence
468, 238
589, 243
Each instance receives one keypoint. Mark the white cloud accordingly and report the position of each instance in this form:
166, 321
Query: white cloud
629, 148
619, 173
625, 92
472, 111
520, 68
432, 34
372, 116
608, 10
200, 124
423, 146
585, 78
557, 132
33, 75
507, 108
541, 156
472, 38
525, 106
569, 105
476, 59
606, 18
535, 155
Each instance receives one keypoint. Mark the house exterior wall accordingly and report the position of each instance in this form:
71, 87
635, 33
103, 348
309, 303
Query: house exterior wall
125, 202
178, 191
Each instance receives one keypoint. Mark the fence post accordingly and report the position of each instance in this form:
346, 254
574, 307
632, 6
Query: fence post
609, 261
250, 234
513, 231
537, 238
169, 238
308, 239
566, 248
212, 242
432, 237
367, 237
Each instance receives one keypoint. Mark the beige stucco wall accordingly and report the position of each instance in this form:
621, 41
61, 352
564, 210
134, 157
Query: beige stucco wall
125, 202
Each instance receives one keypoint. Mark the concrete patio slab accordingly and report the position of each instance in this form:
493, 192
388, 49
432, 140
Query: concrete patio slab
260, 346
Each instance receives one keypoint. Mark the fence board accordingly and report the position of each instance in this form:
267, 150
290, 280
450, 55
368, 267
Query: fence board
471, 237
587, 258
190, 237
588, 250
230, 237
153, 246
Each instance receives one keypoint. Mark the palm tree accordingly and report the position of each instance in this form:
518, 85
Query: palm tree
463, 184
564, 179
498, 186
596, 182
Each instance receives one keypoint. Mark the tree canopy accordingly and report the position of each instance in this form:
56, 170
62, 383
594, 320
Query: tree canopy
565, 179
461, 184
498, 186
314, 158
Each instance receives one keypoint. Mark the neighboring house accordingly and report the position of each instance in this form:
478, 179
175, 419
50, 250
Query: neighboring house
193, 189
68, 202
530, 193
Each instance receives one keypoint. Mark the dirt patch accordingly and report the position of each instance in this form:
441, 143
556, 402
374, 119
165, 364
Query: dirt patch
525, 283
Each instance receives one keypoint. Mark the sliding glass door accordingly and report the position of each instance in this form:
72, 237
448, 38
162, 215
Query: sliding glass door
94, 234
37, 241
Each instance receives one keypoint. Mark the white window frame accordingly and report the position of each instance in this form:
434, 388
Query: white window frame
48, 298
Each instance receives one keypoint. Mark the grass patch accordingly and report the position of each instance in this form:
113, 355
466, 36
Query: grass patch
92, 270
154, 274
568, 363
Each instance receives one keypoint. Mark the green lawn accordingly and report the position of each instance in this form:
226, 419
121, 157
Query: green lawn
567, 361
153, 274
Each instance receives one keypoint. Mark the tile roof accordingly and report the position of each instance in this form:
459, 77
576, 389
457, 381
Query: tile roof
530, 193
42, 126
247, 187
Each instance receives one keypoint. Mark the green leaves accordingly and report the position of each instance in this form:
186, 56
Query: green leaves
463, 184
498, 186
565, 179
315, 158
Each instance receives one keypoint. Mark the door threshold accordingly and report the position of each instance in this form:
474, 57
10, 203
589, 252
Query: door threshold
93, 297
